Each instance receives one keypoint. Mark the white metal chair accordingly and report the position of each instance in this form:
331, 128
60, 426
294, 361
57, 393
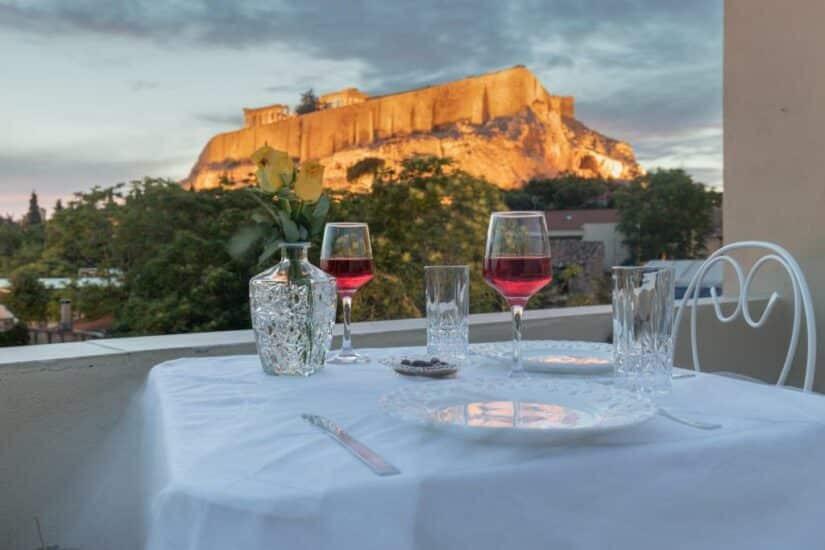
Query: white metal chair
801, 293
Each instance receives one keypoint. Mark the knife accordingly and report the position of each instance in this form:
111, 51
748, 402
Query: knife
363, 453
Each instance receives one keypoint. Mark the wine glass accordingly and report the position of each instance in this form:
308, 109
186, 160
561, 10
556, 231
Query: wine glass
517, 265
346, 254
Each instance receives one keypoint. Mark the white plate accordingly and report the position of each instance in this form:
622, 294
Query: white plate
522, 410
554, 356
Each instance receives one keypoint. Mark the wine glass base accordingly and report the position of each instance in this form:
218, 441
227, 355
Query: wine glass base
347, 358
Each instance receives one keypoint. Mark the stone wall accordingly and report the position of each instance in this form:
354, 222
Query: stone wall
323, 133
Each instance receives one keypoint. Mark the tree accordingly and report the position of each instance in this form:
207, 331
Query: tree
11, 239
58, 205
563, 192
33, 216
309, 103
189, 285
429, 213
366, 166
665, 214
28, 298
172, 246
80, 234
18, 335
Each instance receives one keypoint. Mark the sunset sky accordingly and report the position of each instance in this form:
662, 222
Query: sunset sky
93, 92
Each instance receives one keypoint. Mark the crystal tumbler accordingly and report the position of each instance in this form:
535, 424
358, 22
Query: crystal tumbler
448, 311
642, 328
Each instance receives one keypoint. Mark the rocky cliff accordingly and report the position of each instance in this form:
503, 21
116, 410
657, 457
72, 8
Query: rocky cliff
502, 126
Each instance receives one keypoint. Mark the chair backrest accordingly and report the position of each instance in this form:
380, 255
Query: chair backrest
801, 300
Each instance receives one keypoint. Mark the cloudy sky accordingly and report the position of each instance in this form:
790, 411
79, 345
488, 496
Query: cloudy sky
93, 92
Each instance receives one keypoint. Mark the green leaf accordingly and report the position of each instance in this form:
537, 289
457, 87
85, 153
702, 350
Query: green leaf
264, 203
287, 178
257, 217
269, 250
285, 206
317, 226
321, 208
244, 239
304, 234
291, 233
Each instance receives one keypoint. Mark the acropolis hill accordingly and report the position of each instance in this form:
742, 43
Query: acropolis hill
503, 126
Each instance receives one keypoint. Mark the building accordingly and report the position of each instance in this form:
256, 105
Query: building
259, 116
482, 122
7, 319
588, 255
59, 283
598, 225
342, 98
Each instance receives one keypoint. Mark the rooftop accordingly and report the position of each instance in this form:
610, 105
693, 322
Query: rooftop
574, 219
5, 314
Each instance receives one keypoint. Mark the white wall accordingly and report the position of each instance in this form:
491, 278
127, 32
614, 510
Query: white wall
774, 105
615, 252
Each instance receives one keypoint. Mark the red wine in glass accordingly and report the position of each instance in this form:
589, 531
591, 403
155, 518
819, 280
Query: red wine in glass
517, 278
350, 273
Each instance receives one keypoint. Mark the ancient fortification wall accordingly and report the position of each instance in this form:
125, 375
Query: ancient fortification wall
323, 133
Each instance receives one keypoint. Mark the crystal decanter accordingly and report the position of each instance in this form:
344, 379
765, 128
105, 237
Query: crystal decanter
293, 312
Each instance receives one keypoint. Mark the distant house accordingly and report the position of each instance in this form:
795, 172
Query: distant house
342, 98
7, 319
59, 283
593, 225
588, 255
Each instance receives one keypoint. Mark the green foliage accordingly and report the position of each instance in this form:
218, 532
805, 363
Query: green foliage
365, 166
88, 301
33, 216
79, 234
292, 209
190, 284
665, 214
564, 192
171, 247
309, 103
427, 214
521, 200
28, 298
11, 240
20, 244
18, 335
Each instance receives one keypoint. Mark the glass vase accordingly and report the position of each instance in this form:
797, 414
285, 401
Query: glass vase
293, 312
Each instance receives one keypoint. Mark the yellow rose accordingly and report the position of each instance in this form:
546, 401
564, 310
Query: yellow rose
276, 165
268, 180
308, 185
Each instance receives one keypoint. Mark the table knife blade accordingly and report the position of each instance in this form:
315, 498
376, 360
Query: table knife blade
363, 453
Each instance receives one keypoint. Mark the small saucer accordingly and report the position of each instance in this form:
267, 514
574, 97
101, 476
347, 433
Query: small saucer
402, 365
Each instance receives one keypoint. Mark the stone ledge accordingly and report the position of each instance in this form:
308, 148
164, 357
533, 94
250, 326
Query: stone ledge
483, 327
592, 323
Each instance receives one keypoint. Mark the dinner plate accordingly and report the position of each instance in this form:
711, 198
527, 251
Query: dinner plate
554, 356
523, 410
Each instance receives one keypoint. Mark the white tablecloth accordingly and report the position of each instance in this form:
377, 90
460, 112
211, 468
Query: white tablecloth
236, 467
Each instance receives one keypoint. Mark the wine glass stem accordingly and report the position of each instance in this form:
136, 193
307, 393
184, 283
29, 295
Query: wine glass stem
518, 369
346, 345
